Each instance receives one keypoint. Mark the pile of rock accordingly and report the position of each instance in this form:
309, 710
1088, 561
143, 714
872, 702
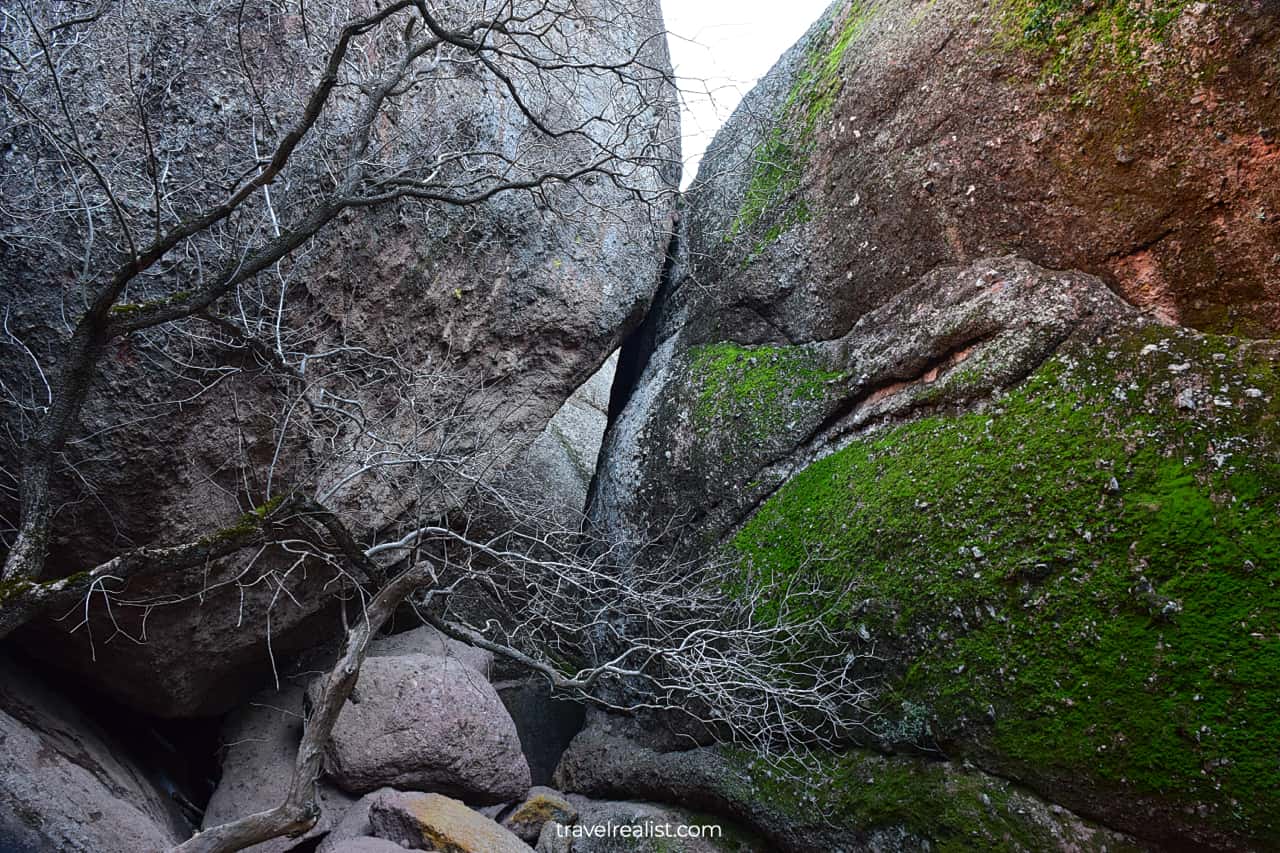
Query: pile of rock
424, 756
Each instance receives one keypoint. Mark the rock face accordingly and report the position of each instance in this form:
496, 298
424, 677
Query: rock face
854, 802
65, 785
507, 296
433, 822
260, 743
427, 723
1055, 505
558, 467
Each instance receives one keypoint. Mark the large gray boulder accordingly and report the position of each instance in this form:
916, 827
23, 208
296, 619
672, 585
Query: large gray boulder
513, 304
426, 640
431, 724
66, 785
260, 746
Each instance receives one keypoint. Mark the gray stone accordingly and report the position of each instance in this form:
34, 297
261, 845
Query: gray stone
260, 747
426, 640
353, 825
557, 469
366, 844
507, 296
540, 806
434, 822
427, 723
68, 786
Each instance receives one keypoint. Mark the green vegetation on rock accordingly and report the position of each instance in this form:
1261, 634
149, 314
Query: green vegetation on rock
1083, 579
1092, 43
955, 810
757, 386
779, 160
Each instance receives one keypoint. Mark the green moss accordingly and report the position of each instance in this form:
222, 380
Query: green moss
246, 524
779, 160
13, 588
1118, 618
128, 309
758, 387
953, 809
1094, 45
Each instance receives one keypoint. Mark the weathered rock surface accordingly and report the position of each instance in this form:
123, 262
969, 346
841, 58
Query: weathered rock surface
366, 844
506, 296
67, 786
855, 802
712, 429
894, 139
557, 469
862, 354
354, 824
427, 723
542, 804
426, 640
433, 822
260, 745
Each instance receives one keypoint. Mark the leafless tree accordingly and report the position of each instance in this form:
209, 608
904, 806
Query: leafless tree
186, 244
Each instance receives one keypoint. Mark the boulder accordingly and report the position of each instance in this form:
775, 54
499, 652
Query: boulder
950, 317
366, 844
353, 825
509, 304
856, 801
260, 746
67, 785
427, 723
434, 822
426, 640
541, 805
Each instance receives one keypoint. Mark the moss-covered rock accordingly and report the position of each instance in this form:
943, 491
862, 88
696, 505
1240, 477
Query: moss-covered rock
854, 801
1080, 582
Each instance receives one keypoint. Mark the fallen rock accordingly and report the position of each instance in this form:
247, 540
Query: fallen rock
507, 294
426, 640
260, 747
427, 723
353, 825
68, 786
366, 844
434, 822
540, 806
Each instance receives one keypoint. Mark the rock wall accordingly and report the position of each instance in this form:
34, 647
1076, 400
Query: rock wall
944, 332
513, 303
67, 785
